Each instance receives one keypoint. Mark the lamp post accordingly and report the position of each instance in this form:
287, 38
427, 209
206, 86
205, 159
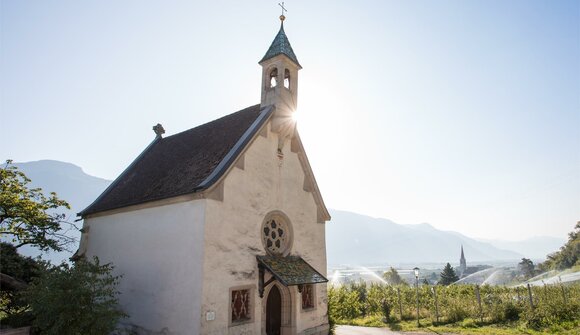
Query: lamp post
416, 270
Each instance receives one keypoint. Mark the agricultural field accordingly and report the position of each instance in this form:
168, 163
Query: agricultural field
464, 309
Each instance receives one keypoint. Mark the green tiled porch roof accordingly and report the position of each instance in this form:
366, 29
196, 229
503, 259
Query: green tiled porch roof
291, 270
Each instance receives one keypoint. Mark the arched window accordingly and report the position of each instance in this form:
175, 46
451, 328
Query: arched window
287, 78
273, 77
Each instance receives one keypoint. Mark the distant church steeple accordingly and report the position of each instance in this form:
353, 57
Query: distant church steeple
462, 262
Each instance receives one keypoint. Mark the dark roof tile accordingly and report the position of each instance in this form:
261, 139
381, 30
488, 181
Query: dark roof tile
181, 164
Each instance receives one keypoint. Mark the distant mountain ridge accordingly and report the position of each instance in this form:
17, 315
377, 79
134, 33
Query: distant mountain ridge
351, 238
362, 240
534, 248
70, 183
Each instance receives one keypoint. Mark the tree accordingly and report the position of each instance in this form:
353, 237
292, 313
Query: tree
526, 268
27, 216
19, 267
16, 272
392, 277
90, 285
567, 256
448, 275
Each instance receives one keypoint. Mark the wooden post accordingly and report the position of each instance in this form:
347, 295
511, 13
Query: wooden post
564, 294
563, 291
530, 296
545, 291
400, 303
478, 296
434, 290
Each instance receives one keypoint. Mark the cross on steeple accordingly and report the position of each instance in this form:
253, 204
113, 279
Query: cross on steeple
282, 17
283, 8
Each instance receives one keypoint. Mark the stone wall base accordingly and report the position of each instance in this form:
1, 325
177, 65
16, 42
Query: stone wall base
318, 330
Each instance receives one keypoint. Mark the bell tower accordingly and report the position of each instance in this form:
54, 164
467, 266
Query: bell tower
280, 78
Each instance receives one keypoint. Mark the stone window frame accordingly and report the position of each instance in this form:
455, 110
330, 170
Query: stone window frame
314, 295
251, 307
289, 231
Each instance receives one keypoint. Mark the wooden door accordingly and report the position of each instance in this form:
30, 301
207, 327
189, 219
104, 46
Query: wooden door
274, 312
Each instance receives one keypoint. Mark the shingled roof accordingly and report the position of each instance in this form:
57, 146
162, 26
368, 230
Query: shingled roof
280, 46
183, 163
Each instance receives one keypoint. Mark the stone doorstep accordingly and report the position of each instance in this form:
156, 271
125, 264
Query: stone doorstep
15, 331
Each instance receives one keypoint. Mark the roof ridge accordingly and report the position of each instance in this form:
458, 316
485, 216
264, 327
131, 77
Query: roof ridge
212, 121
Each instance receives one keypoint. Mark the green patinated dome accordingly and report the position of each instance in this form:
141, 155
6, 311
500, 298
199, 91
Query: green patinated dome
280, 46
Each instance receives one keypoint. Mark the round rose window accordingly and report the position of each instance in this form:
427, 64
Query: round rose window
276, 235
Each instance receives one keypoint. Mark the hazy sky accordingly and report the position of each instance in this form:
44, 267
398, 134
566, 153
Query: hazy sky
463, 114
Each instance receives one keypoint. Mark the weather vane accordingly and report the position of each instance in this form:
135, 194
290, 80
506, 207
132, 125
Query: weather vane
282, 17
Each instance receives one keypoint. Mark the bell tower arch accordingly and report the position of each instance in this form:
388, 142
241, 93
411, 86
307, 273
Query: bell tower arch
280, 73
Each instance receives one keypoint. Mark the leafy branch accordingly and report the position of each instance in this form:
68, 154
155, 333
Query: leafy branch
28, 217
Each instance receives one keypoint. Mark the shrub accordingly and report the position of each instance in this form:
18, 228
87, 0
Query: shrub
456, 313
90, 285
469, 323
386, 310
511, 311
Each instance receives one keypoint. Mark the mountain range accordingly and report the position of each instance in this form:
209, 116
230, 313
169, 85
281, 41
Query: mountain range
356, 239
351, 238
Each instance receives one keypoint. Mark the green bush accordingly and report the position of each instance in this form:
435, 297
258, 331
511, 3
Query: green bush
456, 313
344, 303
510, 311
90, 285
469, 323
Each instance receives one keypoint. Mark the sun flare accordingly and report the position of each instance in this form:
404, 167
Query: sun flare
295, 115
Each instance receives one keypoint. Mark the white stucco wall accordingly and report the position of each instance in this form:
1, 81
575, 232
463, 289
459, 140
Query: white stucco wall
233, 237
159, 252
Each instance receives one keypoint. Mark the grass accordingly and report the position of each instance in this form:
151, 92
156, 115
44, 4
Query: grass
368, 321
467, 326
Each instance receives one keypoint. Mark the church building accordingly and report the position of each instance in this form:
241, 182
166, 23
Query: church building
220, 229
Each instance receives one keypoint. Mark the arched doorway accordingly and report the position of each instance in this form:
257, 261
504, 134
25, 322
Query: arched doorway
274, 312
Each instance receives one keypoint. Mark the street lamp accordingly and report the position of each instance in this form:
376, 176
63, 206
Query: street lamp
416, 270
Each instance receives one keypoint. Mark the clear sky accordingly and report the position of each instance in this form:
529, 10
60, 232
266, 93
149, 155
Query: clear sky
462, 114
